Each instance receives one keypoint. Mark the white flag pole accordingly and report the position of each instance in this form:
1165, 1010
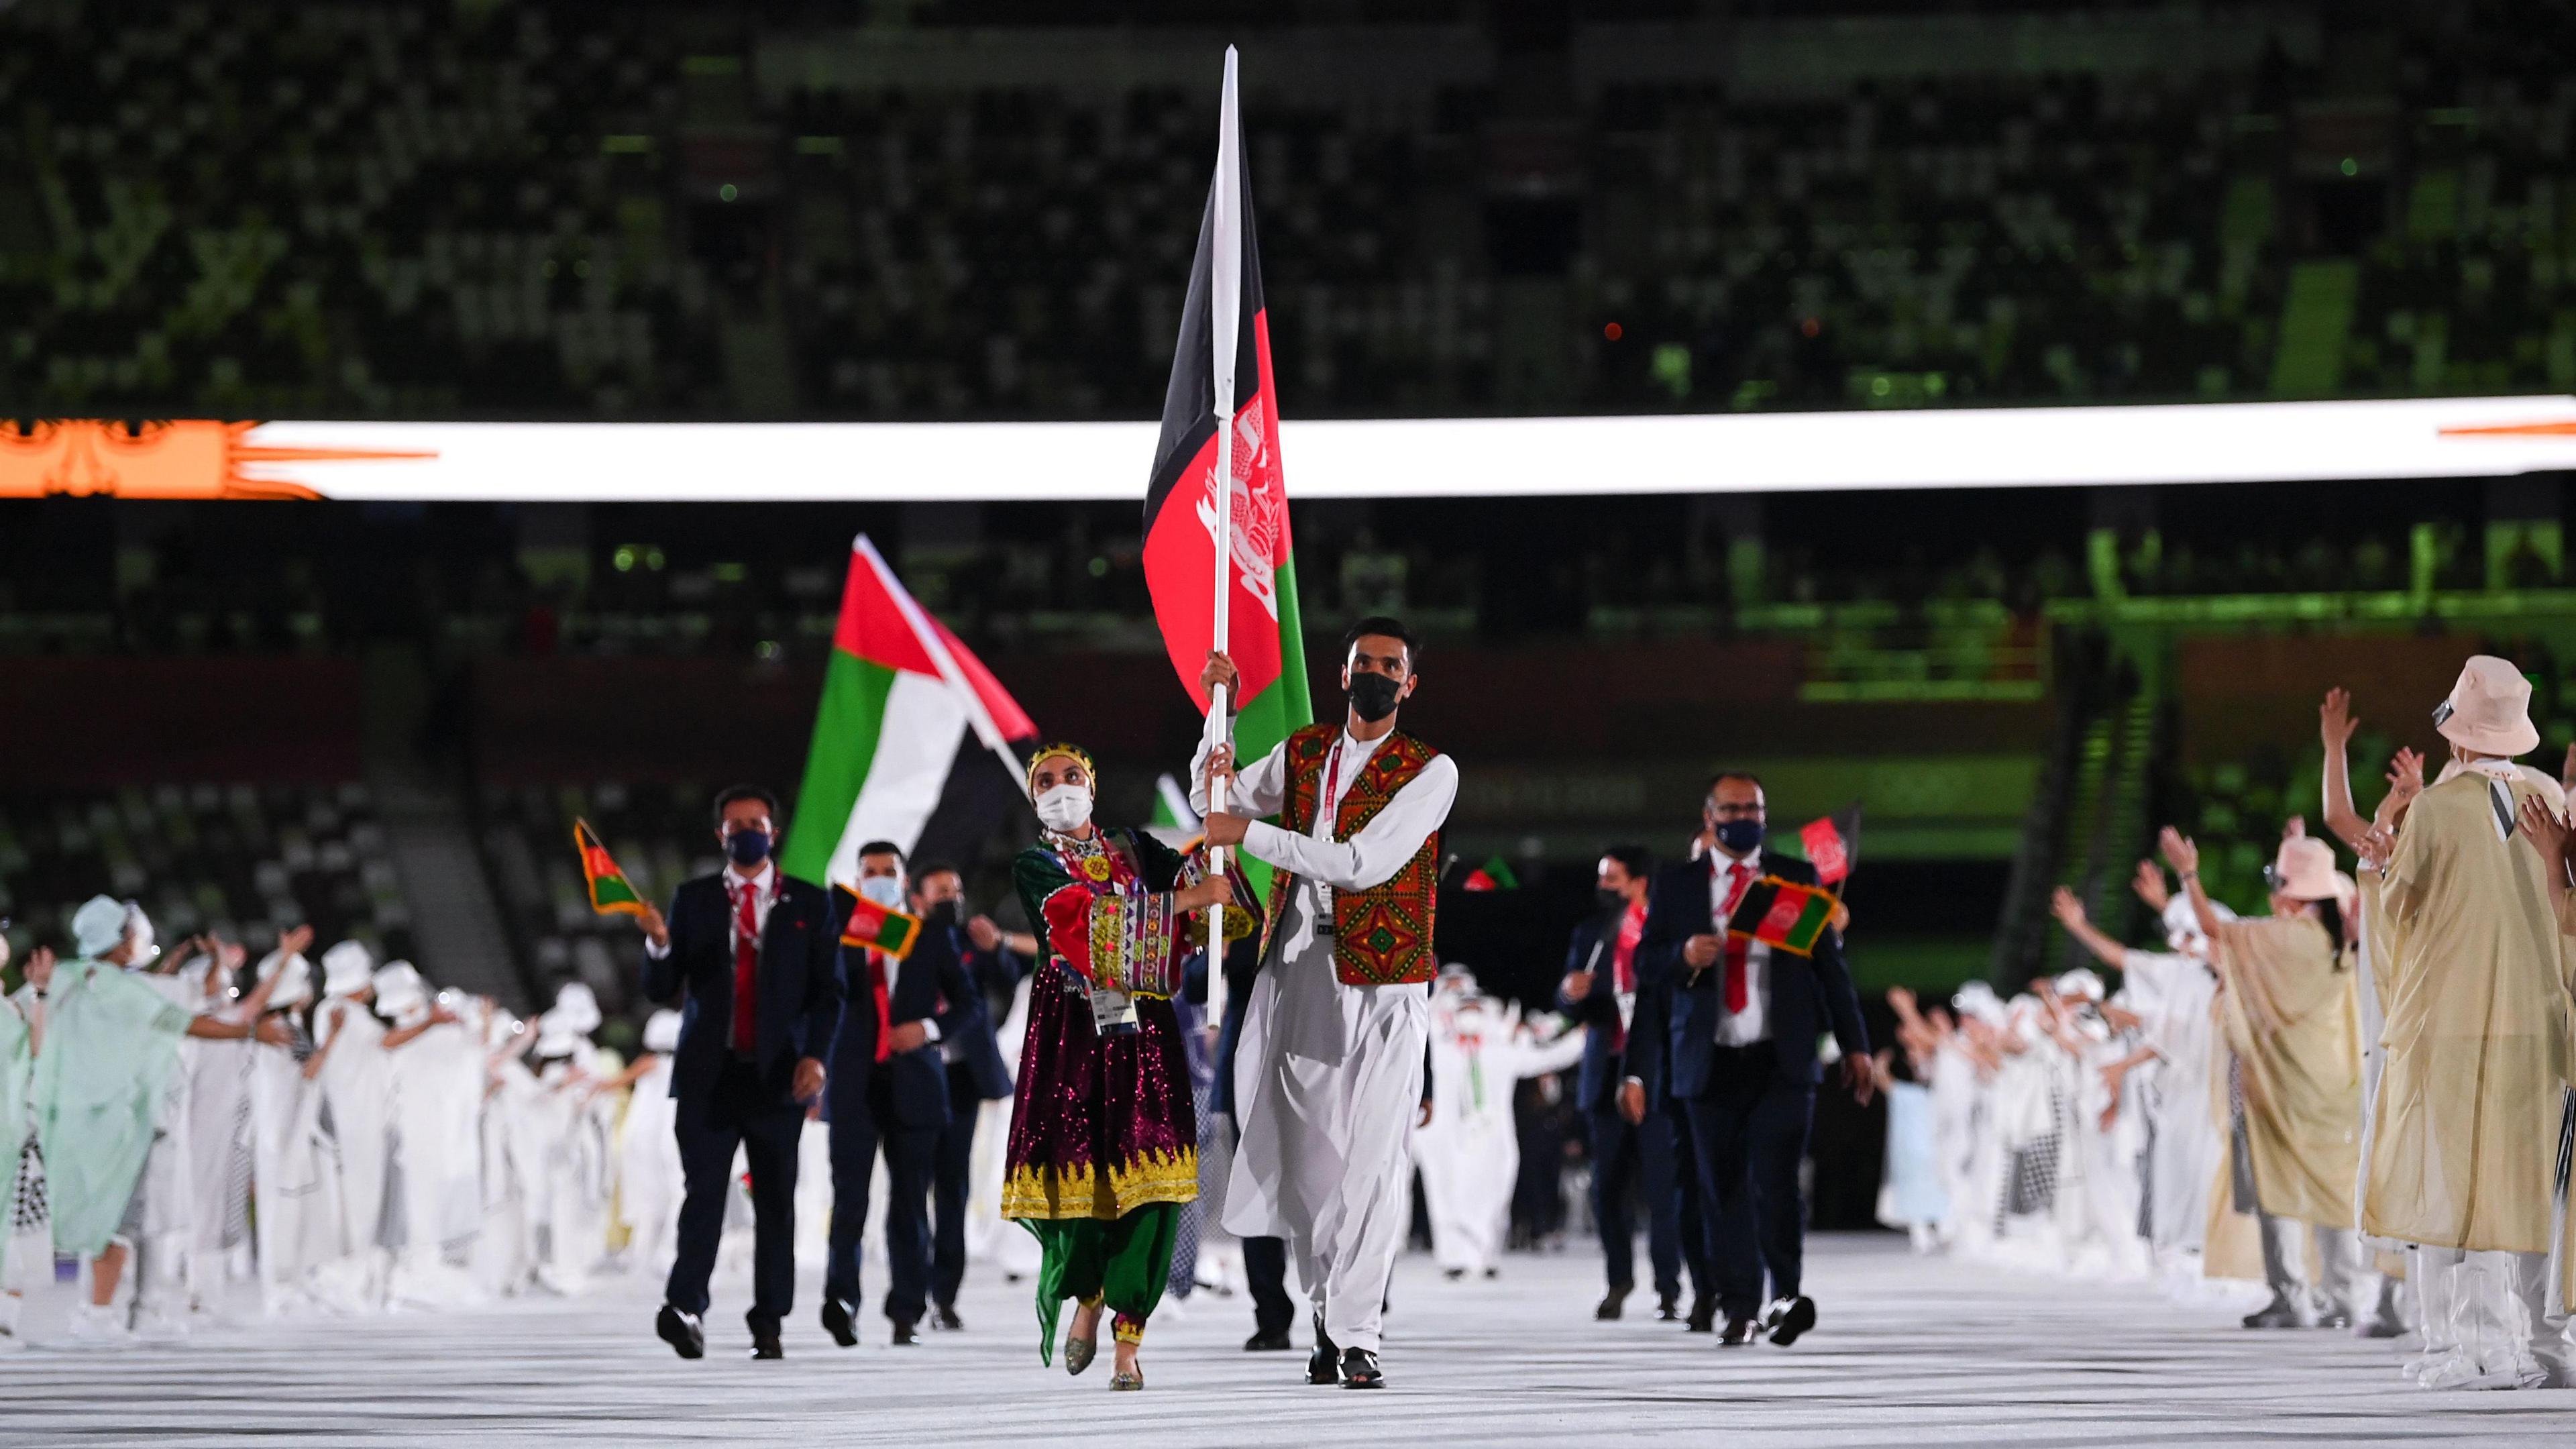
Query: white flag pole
1225, 307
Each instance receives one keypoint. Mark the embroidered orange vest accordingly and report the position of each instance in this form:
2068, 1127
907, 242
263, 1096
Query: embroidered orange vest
1382, 935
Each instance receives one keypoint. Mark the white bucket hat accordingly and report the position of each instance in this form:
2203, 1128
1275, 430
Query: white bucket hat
294, 980
662, 1031
578, 1007
399, 988
98, 927
347, 969
2489, 711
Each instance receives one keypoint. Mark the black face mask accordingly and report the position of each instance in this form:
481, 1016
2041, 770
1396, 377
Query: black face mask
1373, 696
1609, 900
748, 847
942, 913
1739, 836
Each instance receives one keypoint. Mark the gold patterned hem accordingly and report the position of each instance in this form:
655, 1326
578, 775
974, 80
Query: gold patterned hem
1051, 1193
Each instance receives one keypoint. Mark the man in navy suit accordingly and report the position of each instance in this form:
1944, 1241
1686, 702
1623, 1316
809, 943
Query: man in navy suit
1740, 1055
889, 1093
1629, 1153
976, 1074
752, 958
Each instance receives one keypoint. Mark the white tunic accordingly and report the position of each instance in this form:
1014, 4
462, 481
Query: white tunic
1328, 1077
1470, 1151
2174, 994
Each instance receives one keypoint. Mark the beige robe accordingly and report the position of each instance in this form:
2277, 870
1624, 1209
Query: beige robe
2466, 1126
2288, 1011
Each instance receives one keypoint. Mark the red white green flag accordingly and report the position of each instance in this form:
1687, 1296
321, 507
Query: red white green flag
611, 893
879, 928
1264, 634
912, 739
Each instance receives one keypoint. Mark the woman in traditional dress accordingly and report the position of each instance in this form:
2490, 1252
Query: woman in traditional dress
1104, 1142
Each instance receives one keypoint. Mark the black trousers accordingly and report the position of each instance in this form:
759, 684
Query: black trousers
864, 1124
737, 1112
950, 1167
1749, 1131
1690, 1214
1635, 1160
1265, 1268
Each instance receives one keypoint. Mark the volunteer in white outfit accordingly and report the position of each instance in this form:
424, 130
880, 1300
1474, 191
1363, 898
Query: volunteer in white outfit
434, 1070
356, 1077
648, 1151
1470, 1151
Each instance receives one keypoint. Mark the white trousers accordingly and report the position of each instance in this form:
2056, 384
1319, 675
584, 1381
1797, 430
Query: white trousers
1328, 1083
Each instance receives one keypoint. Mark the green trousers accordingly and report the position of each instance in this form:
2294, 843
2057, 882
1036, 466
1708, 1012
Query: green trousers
1121, 1264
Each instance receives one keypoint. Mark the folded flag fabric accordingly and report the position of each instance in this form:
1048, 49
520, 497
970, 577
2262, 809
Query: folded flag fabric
611, 893
879, 928
1494, 875
1783, 915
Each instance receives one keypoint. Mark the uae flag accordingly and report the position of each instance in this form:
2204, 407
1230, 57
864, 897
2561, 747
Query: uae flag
912, 741
1221, 377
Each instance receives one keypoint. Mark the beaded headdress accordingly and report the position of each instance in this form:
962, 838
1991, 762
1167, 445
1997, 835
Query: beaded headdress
1073, 751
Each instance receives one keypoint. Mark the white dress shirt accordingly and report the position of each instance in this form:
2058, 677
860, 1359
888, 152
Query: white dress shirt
1753, 1023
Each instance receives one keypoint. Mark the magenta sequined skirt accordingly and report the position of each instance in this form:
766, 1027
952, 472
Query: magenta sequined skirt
1099, 1126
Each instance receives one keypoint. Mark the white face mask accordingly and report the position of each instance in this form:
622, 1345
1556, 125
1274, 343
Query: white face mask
883, 890
1066, 807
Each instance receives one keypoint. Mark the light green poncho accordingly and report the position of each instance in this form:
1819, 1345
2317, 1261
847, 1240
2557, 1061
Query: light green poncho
15, 1062
111, 1043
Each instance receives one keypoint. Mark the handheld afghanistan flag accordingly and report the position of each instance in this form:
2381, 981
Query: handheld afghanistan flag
1783, 915
1221, 370
611, 893
879, 928
1833, 844
912, 739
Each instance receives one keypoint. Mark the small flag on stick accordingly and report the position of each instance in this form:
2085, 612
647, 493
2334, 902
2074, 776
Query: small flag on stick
1833, 844
1783, 915
611, 893
876, 927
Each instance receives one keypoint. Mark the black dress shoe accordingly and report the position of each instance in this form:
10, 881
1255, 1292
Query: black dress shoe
1268, 1341
1324, 1365
836, 1322
764, 1344
945, 1319
903, 1336
1453, 1274
1360, 1370
1611, 1303
1703, 1314
1790, 1317
681, 1332
1668, 1307
1739, 1332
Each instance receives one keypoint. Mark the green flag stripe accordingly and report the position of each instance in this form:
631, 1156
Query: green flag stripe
846, 725
1288, 704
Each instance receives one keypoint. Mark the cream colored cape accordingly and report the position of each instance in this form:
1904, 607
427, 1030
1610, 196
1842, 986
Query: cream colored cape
2467, 1124
2288, 1011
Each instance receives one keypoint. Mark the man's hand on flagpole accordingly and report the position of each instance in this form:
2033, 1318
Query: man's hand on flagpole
1220, 768
1224, 829
1220, 671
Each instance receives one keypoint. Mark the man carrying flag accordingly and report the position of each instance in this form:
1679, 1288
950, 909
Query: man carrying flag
1328, 1076
1743, 946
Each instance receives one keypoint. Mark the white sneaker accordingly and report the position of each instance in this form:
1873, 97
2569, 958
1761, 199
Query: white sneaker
99, 1327
158, 1327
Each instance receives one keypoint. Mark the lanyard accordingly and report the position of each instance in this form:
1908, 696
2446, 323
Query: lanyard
1329, 809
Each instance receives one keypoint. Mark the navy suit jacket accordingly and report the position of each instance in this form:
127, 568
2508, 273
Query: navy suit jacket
995, 975
1809, 994
798, 993
930, 985
1596, 1083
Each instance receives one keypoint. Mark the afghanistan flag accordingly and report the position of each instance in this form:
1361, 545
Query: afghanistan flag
879, 928
611, 893
1833, 844
1782, 914
912, 741
1225, 344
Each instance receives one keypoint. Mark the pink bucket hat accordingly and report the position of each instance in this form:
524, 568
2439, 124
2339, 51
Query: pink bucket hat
2305, 870
2489, 711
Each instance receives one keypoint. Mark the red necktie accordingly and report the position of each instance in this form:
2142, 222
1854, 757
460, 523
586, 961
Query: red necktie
885, 1004
1623, 963
1739, 984
746, 970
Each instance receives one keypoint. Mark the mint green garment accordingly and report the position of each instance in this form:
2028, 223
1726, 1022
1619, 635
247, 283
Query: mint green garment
111, 1043
15, 1063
